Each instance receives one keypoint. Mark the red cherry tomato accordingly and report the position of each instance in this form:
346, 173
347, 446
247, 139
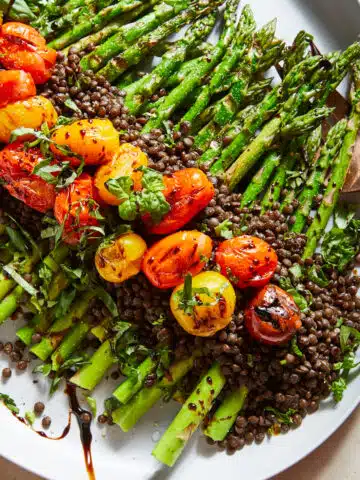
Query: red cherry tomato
23, 48
272, 316
16, 167
73, 209
188, 192
15, 85
247, 261
168, 261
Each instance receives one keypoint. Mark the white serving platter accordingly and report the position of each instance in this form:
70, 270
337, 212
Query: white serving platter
335, 24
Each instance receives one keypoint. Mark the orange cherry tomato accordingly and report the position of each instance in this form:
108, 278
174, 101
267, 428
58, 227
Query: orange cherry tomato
23, 32
73, 209
188, 192
272, 316
247, 261
15, 85
16, 167
168, 261
96, 141
123, 164
23, 48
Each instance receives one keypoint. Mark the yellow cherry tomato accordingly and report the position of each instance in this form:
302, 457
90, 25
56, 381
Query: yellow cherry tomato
123, 164
30, 113
119, 259
96, 141
205, 308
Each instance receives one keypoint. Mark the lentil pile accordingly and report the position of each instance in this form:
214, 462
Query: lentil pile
281, 378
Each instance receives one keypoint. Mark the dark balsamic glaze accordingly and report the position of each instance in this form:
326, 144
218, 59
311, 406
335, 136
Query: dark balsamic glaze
43, 434
84, 427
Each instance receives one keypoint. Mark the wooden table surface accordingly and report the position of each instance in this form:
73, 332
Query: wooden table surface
337, 459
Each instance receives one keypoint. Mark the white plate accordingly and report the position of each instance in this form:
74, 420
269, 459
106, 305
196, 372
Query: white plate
334, 24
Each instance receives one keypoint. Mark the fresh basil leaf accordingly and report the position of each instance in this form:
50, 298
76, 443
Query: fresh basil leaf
340, 246
22, 131
224, 229
285, 418
65, 300
30, 417
345, 334
120, 187
9, 403
45, 170
151, 179
338, 388
154, 203
69, 103
296, 271
10, 270
128, 209
108, 301
344, 213
17, 10
295, 348
44, 369
63, 121
16, 239
300, 300
318, 276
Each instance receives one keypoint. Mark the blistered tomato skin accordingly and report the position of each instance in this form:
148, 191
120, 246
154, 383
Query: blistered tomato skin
30, 113
16, 167
73, 209
218, 305
168, 261
121, 258
272, 317
15, 85
247, 261
123, 164
188, 192
96, 141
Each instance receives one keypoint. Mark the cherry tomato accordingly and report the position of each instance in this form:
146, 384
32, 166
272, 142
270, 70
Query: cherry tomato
213, 310
188, 192
23, 48
75, 207
119, 259
96, 141
16, 167
168, 261
15, 85
123, 164
247, 261
272, 316
30, 113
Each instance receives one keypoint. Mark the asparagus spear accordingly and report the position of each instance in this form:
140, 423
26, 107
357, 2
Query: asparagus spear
225, 416
240, 44
338, 173
104, 17
185, 70
60, 328
129, 387
317, 178
90, 375
137, 93
195, 78
186, 422
133, 54
260, 179
69, 344
129, 414
129, 33
297, 52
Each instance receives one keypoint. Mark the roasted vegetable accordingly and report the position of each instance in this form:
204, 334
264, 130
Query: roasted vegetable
96, 141
15, 85
16, 167
30, 113
272, 316
203, 304
120, 258
247, 261
75, 209
23, 48
168, 261
123, 164
187, 191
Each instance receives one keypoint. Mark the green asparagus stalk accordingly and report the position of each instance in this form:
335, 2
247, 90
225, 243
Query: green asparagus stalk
101, 19
184, 71
195, 78
89, 376
260, 179
246, 28
338, 173
128, 34
137, 93
129, 414
42, 320
226, 415
297, 52
10, 303
135, 53
129, 387
69, 344
61, 327
317, 178
174, 440
265, 139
